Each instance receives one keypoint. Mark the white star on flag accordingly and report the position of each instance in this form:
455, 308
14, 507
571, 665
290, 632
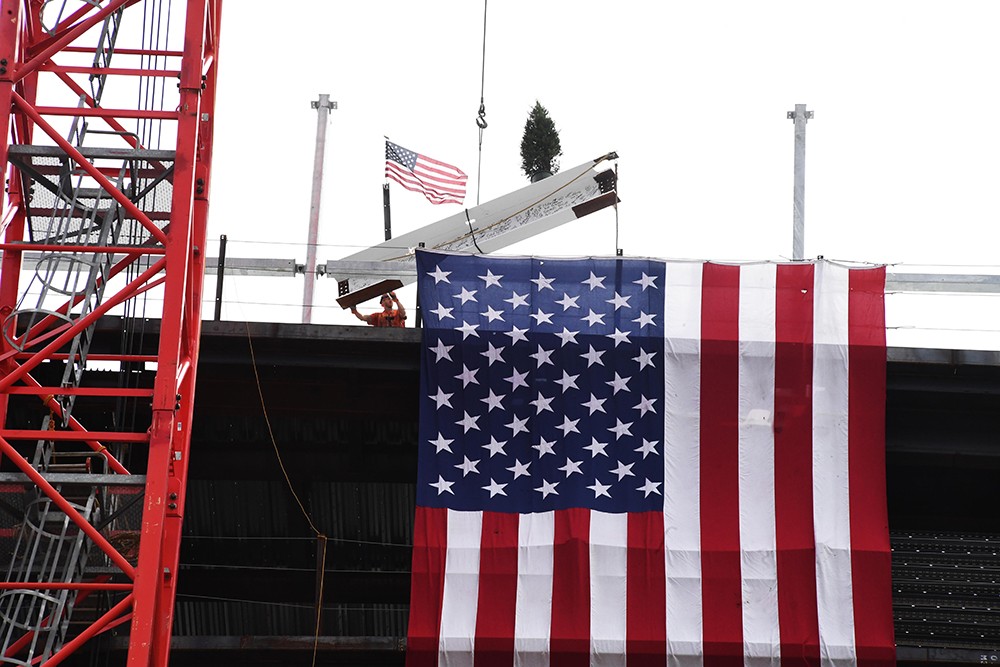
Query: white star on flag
645, 405
650, 487
541, 404
517, 380
571, 467
493, 354
568, 302
443, 312
644, 319
619, 337
567, 382
645, 359
491, 279
547, 487
492, 401
466, 295
495, 447
595, 404
467, 466
596, 448
542, 356
441, 398
468, 422
438, 275
442, 444
618, 384
593, 318
442, 485
517, 334
516, 300
520, 469
567, 336
600, 489
569, 426
624, 471
543, 282
645, 281
467, 329
518, 426
619, 301
594, 281
647, 447
544, 447
494, 488
441, 351
492, 315
467, 376
593, 356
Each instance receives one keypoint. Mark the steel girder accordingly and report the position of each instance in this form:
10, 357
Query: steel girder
162, 249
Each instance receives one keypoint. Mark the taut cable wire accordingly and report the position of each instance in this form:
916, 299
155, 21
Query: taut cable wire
481, 118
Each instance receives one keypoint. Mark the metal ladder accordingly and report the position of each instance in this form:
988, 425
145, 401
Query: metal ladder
50, 547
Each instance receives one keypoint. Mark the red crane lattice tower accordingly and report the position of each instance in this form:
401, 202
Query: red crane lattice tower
99, 217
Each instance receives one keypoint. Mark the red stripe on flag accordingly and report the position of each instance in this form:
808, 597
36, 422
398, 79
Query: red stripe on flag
793, 492
430, 542
497, 591
646, 604
871, 561
570, 633
720, 513
429, 171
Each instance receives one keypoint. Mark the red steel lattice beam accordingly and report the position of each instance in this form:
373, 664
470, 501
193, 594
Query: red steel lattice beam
29, 57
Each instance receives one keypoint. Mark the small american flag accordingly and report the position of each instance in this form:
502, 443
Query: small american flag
647, 463
441, 183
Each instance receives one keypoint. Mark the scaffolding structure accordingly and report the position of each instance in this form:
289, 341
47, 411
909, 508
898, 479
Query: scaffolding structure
107, 196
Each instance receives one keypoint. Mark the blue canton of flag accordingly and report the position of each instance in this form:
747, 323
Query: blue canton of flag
541, 384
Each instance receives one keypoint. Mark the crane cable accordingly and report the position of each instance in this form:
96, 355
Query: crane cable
481, 118
321, 537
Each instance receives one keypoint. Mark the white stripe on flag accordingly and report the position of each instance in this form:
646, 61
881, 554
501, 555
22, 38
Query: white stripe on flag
608, 588
682, 470
461, 589
533, 610
831, 504
758, 559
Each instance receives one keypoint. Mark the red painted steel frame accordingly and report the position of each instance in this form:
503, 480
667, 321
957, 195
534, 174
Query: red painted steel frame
29, 54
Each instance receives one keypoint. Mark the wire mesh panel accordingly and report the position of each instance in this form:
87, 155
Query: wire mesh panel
946, 589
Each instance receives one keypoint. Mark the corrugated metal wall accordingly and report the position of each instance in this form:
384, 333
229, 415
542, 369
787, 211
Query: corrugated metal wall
242, 530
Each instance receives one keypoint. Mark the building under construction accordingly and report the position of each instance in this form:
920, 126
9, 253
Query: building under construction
231, 493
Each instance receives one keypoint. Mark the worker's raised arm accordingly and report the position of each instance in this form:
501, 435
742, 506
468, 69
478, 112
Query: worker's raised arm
358, 315
399, 306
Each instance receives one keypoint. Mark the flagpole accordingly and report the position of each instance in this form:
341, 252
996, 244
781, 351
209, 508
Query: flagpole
799, 116
387, 211
322, 106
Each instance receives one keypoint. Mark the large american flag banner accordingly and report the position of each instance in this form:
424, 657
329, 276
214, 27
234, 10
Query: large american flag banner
636, 462
440, 182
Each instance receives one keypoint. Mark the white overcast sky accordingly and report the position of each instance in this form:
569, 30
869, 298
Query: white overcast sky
901, 154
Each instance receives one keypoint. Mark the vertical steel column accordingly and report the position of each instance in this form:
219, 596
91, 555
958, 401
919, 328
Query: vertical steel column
322, 106
177, 483
800, 116
220, 276
387, 211
173, 391
11, 206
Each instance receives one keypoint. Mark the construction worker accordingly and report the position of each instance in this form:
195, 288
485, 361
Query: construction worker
389, 317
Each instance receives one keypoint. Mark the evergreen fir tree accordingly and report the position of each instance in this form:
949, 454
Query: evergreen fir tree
540, 144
